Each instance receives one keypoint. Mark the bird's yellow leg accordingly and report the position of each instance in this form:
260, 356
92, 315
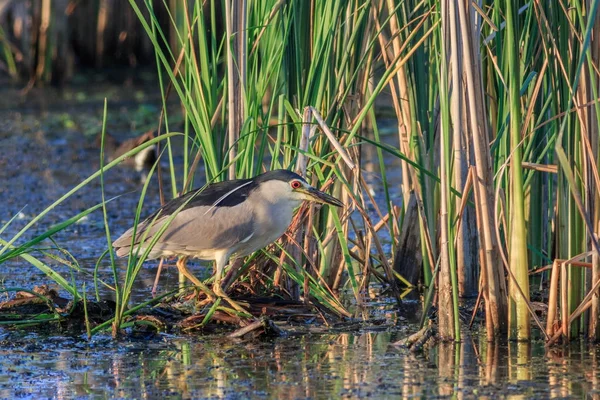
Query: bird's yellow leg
238, 306
182, 267
218, 289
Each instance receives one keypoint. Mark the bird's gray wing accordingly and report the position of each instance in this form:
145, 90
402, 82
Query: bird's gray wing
204, 227
144, 233
195, 229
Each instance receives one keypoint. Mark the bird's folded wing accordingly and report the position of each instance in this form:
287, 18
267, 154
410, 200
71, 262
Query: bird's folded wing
194, 229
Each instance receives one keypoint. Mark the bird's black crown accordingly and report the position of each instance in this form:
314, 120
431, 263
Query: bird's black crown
278, 175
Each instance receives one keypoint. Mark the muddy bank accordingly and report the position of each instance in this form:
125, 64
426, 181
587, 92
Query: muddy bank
44, 310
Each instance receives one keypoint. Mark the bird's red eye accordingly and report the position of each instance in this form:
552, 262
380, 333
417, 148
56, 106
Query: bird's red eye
296, 184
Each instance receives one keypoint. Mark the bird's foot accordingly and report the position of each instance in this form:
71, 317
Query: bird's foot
200, 287
202, 294
240, 307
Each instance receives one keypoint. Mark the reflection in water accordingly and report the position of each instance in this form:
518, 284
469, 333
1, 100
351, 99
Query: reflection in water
311, 366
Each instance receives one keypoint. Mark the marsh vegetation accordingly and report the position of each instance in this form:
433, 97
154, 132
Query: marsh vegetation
495, 105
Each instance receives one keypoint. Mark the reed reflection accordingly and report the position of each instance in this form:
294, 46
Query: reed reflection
348, 365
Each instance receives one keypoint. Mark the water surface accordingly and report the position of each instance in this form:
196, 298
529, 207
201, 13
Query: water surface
344, 365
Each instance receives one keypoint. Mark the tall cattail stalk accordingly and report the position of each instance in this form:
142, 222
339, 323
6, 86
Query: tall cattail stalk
449, 326
445, 287
518, 257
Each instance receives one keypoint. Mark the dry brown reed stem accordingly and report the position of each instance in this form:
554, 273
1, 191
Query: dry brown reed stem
375, 207
279, 271
496, 285
366, 264
489, 323
402, 101
461, 209
382, 222
425, 227
253, 326
334, 142
477, 302
157, 277
564, 301
464, 201
593, 168
559, 269
552, 299
384, 261
365, 239
534, 96
236, 47
466, 260
459, 218
336, 256
541, 269
308, 241
463, 204
295, 230
562, 114
46, 14
395, 222
484, 16
549, 168
310, 261
574, 315
579, 310
307, 133
337, 277
100, 30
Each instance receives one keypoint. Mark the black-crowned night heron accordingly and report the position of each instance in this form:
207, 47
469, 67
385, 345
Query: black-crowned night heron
231, 218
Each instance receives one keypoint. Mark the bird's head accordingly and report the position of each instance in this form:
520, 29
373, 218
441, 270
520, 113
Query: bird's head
288, 185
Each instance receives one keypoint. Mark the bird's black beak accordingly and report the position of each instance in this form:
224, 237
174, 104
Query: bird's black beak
322, 197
